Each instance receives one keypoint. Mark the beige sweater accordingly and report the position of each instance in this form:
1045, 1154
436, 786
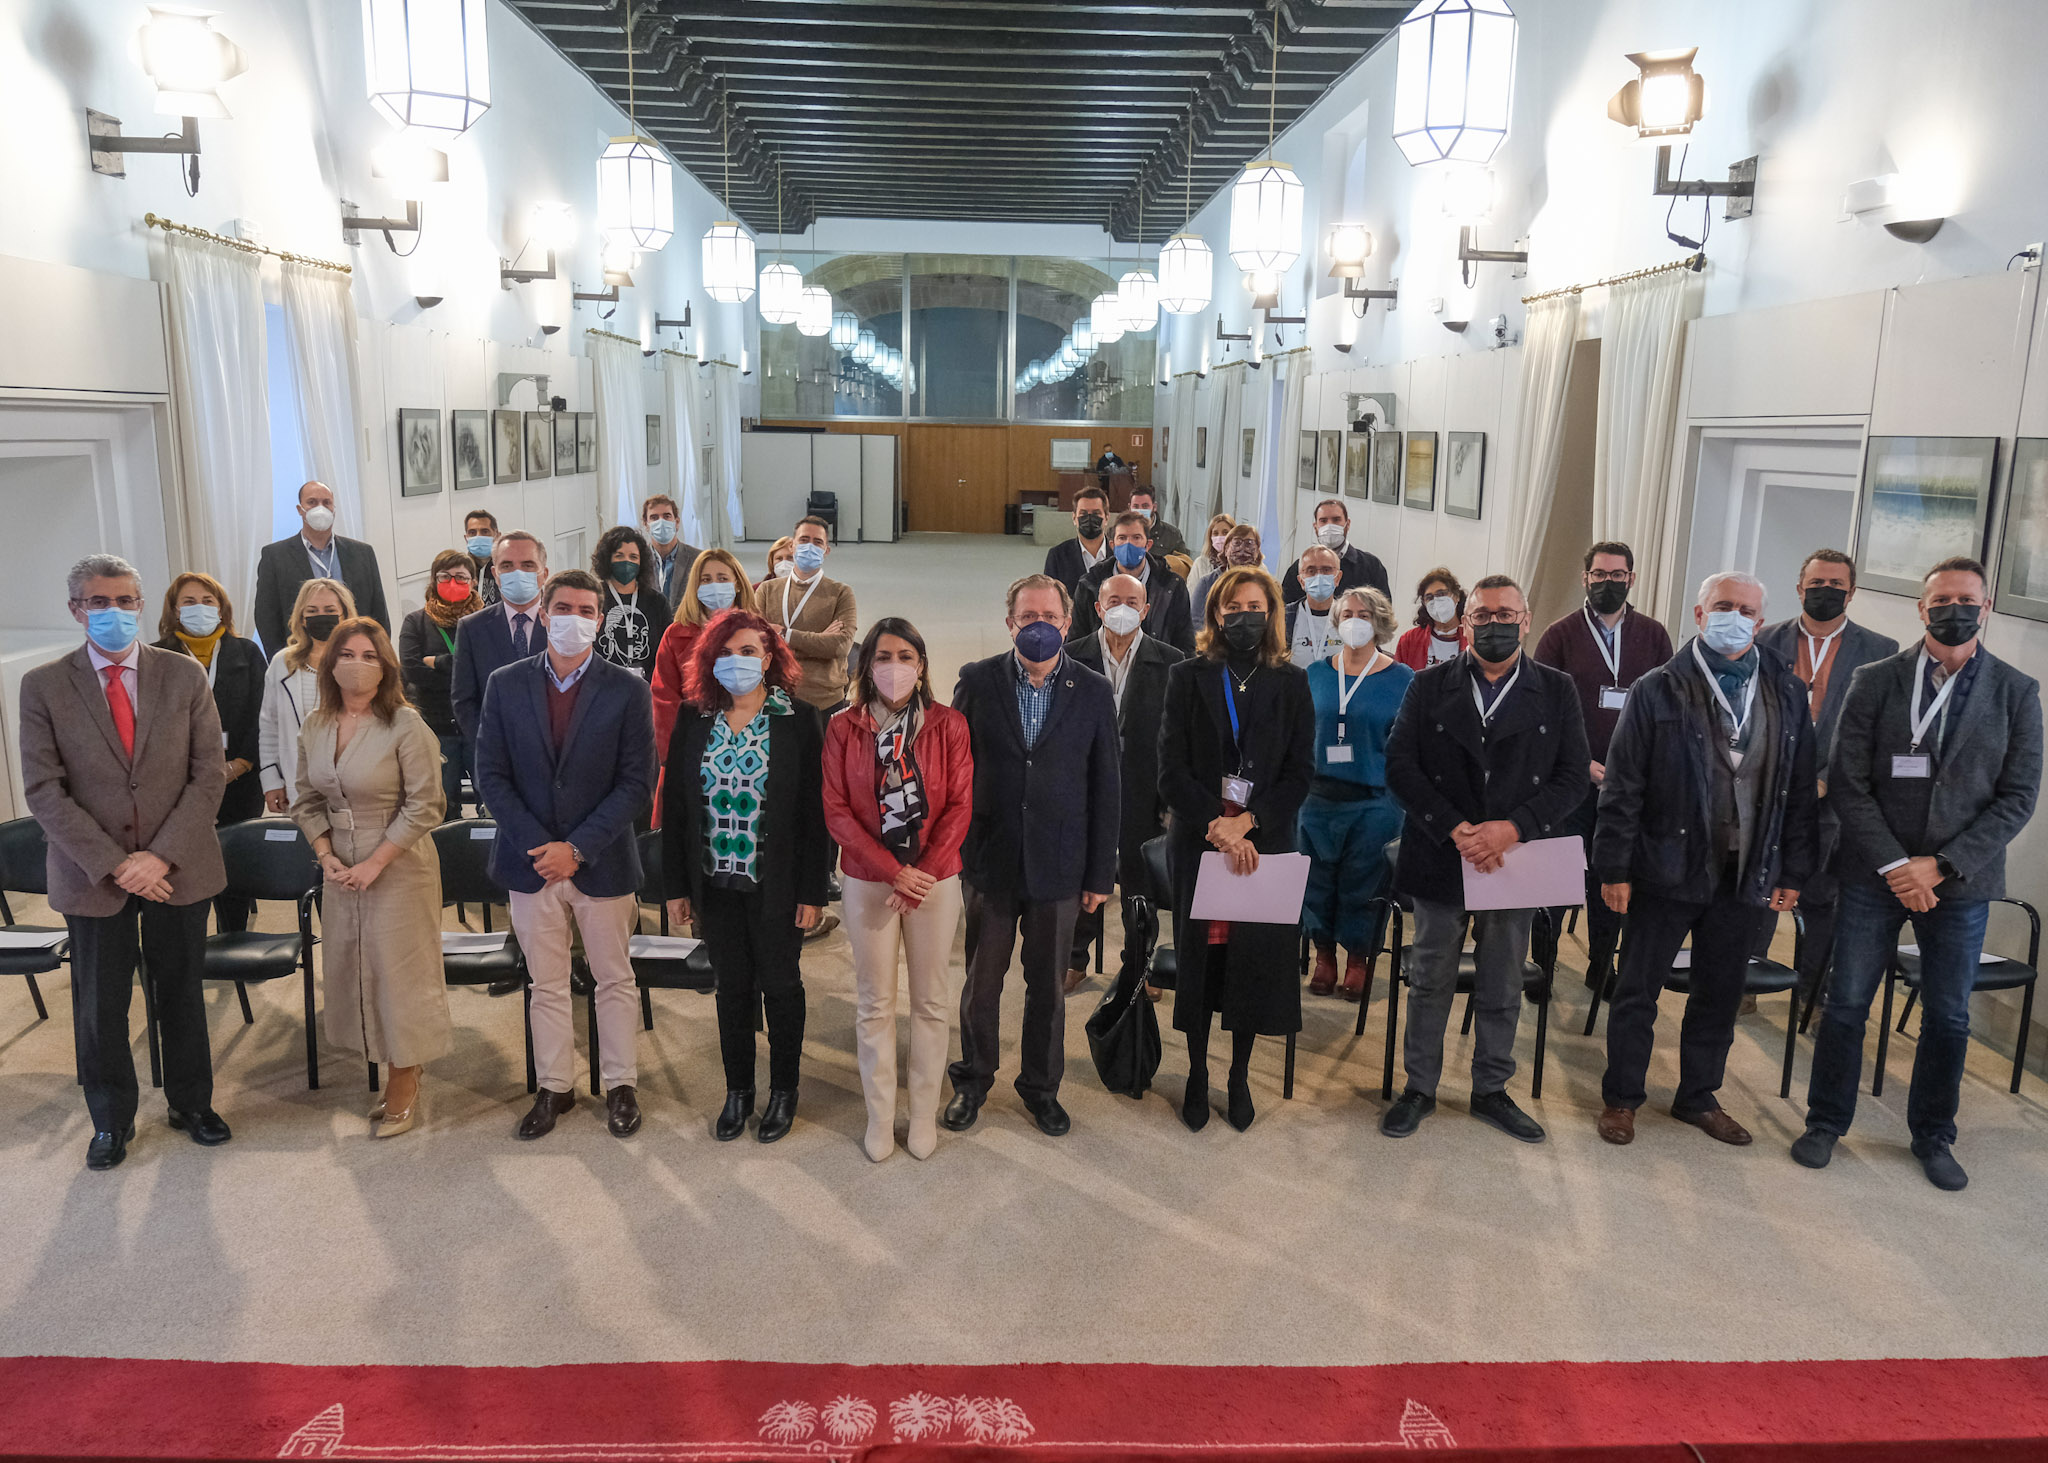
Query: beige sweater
822, 655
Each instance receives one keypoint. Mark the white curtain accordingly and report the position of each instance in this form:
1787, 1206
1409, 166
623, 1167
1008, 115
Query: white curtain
322, 324
621, 428
1277, 510
1182, 464
220, 388
684, 393
727, 524
1548, 334
1642, 351
1226, 437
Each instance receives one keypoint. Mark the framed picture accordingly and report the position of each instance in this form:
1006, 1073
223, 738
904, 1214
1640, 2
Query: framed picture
1249, 452
2023, 549
419, 452
1166, 444
1923, 499
1329, 459
654, 441
505, 445
565, 443
469, 448
1465, 474
1305, 463
1201, 447
1072, 454
1418, 483
540, 444
1386, 467
586, 441
1357, 465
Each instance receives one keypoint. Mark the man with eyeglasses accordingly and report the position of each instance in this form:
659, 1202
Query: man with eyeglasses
1487, 751
1605, 645
121, 765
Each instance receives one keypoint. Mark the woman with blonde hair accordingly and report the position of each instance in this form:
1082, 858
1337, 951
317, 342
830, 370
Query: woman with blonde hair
291, 689
781, 561
369, 796
716, 582
426, 653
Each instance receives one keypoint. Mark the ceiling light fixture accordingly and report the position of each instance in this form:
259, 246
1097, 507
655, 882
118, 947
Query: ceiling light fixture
635, 183
728, 247
1349, 246
1187, 269
814, 311
864, 347
1265, 201
428, 63
1137, 292
1454, 82
1106, 318
782, 286
845, 331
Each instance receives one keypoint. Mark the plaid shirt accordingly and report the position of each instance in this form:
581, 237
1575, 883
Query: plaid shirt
1033, 702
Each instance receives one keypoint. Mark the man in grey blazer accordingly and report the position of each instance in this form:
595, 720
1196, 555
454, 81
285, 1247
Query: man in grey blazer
121, 759
1937, 762
1825, 649
315, 552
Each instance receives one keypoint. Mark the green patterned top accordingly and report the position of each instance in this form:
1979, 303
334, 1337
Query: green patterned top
735, 770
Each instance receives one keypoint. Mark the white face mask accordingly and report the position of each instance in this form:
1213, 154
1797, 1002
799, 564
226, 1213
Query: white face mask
571, 635
1121, 619
784, 568
1332, 535
1355, 633
320, 519
1442, 608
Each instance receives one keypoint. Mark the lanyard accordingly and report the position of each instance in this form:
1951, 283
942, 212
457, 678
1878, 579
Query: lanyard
1748, 700
327, 563
1230, 701
1479, 701
1817, 651
789, 620
1612, 657
1345, 693
1921, 721
446, 639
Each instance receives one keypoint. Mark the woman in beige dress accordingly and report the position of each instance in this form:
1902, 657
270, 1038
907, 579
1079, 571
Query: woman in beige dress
369, 794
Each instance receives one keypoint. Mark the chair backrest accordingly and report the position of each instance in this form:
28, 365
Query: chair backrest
268, 858
821, 501
650, 868
464, 847
1157, 873
24, 857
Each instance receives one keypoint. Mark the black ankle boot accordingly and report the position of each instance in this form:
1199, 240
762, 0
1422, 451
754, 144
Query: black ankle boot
777, 1116
732, 1121
1194, 1102
1240, 1109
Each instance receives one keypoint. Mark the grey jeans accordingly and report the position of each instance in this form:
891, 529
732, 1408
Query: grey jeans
1502, 937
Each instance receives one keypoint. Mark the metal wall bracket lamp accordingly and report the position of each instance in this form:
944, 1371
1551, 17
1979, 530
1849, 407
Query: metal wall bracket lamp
606, 295
1222, 334
107, 144
1470, 254
509, 274
1739, 190
1353, 290
353, 224
682, 324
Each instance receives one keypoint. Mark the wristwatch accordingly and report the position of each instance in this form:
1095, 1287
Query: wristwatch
577, 854
1947, 869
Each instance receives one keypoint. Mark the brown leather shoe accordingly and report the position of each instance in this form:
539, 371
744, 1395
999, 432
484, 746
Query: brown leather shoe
1618, 1125
622, 1108
547, 1106
1717, 1125
1357, 975
1076, 979
1324, 980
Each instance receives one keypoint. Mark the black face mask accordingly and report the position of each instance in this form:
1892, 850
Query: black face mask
1244, 631
1824, 602
321, 626
1954, 624
1496, 643
1607, 596
1090, 525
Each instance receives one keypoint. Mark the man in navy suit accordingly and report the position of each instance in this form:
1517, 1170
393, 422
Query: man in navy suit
565, 762
1041, 845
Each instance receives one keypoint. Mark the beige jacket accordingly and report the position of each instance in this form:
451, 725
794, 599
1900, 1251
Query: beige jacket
822, 656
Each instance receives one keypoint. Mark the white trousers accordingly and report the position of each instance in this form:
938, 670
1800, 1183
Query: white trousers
925, 937
542, 923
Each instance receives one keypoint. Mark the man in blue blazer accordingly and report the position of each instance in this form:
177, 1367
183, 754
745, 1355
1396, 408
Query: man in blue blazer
1041, 845
565, 762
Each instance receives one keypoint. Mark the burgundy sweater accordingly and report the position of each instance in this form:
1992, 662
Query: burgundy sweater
1569, 646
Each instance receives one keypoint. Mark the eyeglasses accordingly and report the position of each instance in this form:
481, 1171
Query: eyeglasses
129, 602
453, 576
1494, 617
1607, 576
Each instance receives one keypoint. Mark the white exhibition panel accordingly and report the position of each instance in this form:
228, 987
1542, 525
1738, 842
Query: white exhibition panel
80, 330
880, 490
835, 469
780, 470
1810, 360
1953, 357
775, 479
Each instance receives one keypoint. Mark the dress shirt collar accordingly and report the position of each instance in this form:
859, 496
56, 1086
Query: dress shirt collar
563, 683
130, 660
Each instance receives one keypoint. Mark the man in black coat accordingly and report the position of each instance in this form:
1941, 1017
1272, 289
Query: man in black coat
1135, 664
1488, 751
1071, 558
1041, 846
316, 552
1166, 593
1355, 567
1166, 539
1707, 821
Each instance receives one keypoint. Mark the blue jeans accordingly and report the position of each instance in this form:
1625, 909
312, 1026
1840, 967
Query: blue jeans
1346, 844
1951, 937
454, 763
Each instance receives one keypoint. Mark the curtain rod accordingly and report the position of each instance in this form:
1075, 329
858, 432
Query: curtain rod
613, 335
1694, 262
150, 220
679, 355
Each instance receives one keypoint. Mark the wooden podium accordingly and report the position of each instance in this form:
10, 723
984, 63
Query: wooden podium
1119, 484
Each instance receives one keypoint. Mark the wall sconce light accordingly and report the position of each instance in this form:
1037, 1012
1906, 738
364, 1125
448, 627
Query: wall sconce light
1664, 100
1889, 191
552, 226
1353, 290
1350, 245
609, 295
1265, 287
1222, 334
681, 325
427, 302
187, 59
1469, 254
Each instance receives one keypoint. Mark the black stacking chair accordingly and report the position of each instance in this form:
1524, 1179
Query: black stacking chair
825, 506
464, 849
1998, 974
1387, 904
25, 870
658, 973
266, 858
1765, 977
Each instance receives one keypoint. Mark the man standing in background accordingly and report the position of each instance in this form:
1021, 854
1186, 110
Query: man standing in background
1355, 567
815, 615
672, 557
315, 552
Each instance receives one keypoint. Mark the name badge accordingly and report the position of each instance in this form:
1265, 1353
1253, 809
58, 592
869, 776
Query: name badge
1237, 790
1912, 764
1338, 753
1612, 698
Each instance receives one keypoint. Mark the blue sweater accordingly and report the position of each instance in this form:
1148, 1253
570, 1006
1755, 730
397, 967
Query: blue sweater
1366, 721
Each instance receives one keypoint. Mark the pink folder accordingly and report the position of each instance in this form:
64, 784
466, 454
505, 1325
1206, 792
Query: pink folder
1539, 875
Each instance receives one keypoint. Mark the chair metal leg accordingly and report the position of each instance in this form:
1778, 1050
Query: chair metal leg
1571, 923
1791, 1037
156, 1058
2019, 1050
35, 994
1906, 1010
1101, 934
1465, 1026
526, 1001
1884, 1034
590, 1005
1542, 1041
1604, 989
312, 1034
1820, 989
1364, 1007
242, 995
1287, 1077
646, 1009
1393, 1027
373, 1076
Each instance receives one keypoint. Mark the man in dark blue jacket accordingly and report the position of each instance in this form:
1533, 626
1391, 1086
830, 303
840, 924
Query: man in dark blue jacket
565, 761
1041, 846
1707, 821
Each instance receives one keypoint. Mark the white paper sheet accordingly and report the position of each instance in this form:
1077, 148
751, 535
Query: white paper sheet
1539, 875
32, 939
660, 947
1269, 895
1984, 957
464, 942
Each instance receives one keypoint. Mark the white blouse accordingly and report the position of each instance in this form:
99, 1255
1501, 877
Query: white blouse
289, 697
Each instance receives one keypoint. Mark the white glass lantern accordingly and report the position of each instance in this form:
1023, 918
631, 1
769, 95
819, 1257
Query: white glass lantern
814, 311
864, 347
1186, 274
845, 331
187, 59
427, 62
728, 263
636, 194
782, 288
1454, 81
1137, 295
1106, 318
1265, 216
552, 225
1083, 336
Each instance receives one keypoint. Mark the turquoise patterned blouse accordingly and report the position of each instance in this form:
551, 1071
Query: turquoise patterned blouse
735, 770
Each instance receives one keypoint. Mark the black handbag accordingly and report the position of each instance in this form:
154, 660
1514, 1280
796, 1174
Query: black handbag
1123, 1034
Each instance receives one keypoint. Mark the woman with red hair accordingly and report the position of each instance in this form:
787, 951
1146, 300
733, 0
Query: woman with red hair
744, 848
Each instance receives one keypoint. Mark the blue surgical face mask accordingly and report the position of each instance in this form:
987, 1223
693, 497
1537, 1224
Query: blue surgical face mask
519, 586
716, 596
1728, 632
1144, 513
112, 630
198, 620
479, 547
1039, 641
1130, 556
739, 674
810, 558
1320, 586
662, 531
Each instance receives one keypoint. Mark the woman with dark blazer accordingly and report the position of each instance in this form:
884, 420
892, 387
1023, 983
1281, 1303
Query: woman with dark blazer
636, 612
426, 654
199, 620
745, 851
1238, 792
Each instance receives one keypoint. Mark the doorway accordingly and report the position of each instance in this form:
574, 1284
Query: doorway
956, 479
1766, 497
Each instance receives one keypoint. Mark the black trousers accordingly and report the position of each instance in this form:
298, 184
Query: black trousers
1724, 933
757, 953
171, 940
994, 922
1603, 925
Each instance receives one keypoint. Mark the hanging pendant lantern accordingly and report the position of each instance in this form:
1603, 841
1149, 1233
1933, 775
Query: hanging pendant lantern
814, 311
864, 347
1083, 336
1187, 272
782, 288
1137, 294
1106, 318
427, 62
635, 197
1265, 216
845, 331
1455, 80
728, 263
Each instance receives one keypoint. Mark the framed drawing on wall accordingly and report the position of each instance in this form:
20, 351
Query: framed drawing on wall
2023, 548
469, 447
1166, 444
1386, 467
1418, 482
419, 452
1465, 474
1923, 499
1329, 460
1357, 465
505, 445
540, 444
565, 443
1248, 452
1201, 447
654, 441
586, 441
1305, 463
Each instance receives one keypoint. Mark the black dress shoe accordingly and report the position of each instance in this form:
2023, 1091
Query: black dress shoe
547, 1106
962, 1111
777, 1115
108, 1149
504, 987
1406, 1115
204, 1125
1499, 1109
1194, 1102
580, 983
622, 1109
1051, 1118
732, 1118
1240, 1110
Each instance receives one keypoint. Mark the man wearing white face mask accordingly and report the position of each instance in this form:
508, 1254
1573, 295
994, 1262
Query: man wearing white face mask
315, 552
672, 557
1311, 635
565, 762
1355, 567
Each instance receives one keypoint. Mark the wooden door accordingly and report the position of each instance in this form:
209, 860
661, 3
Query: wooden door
956, 479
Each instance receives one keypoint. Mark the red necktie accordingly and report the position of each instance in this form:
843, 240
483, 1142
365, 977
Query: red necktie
121, 707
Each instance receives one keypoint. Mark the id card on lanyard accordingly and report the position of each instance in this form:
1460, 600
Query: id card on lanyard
1341, 751
1237, 790
1914, 762
1613, 695
1748, 700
